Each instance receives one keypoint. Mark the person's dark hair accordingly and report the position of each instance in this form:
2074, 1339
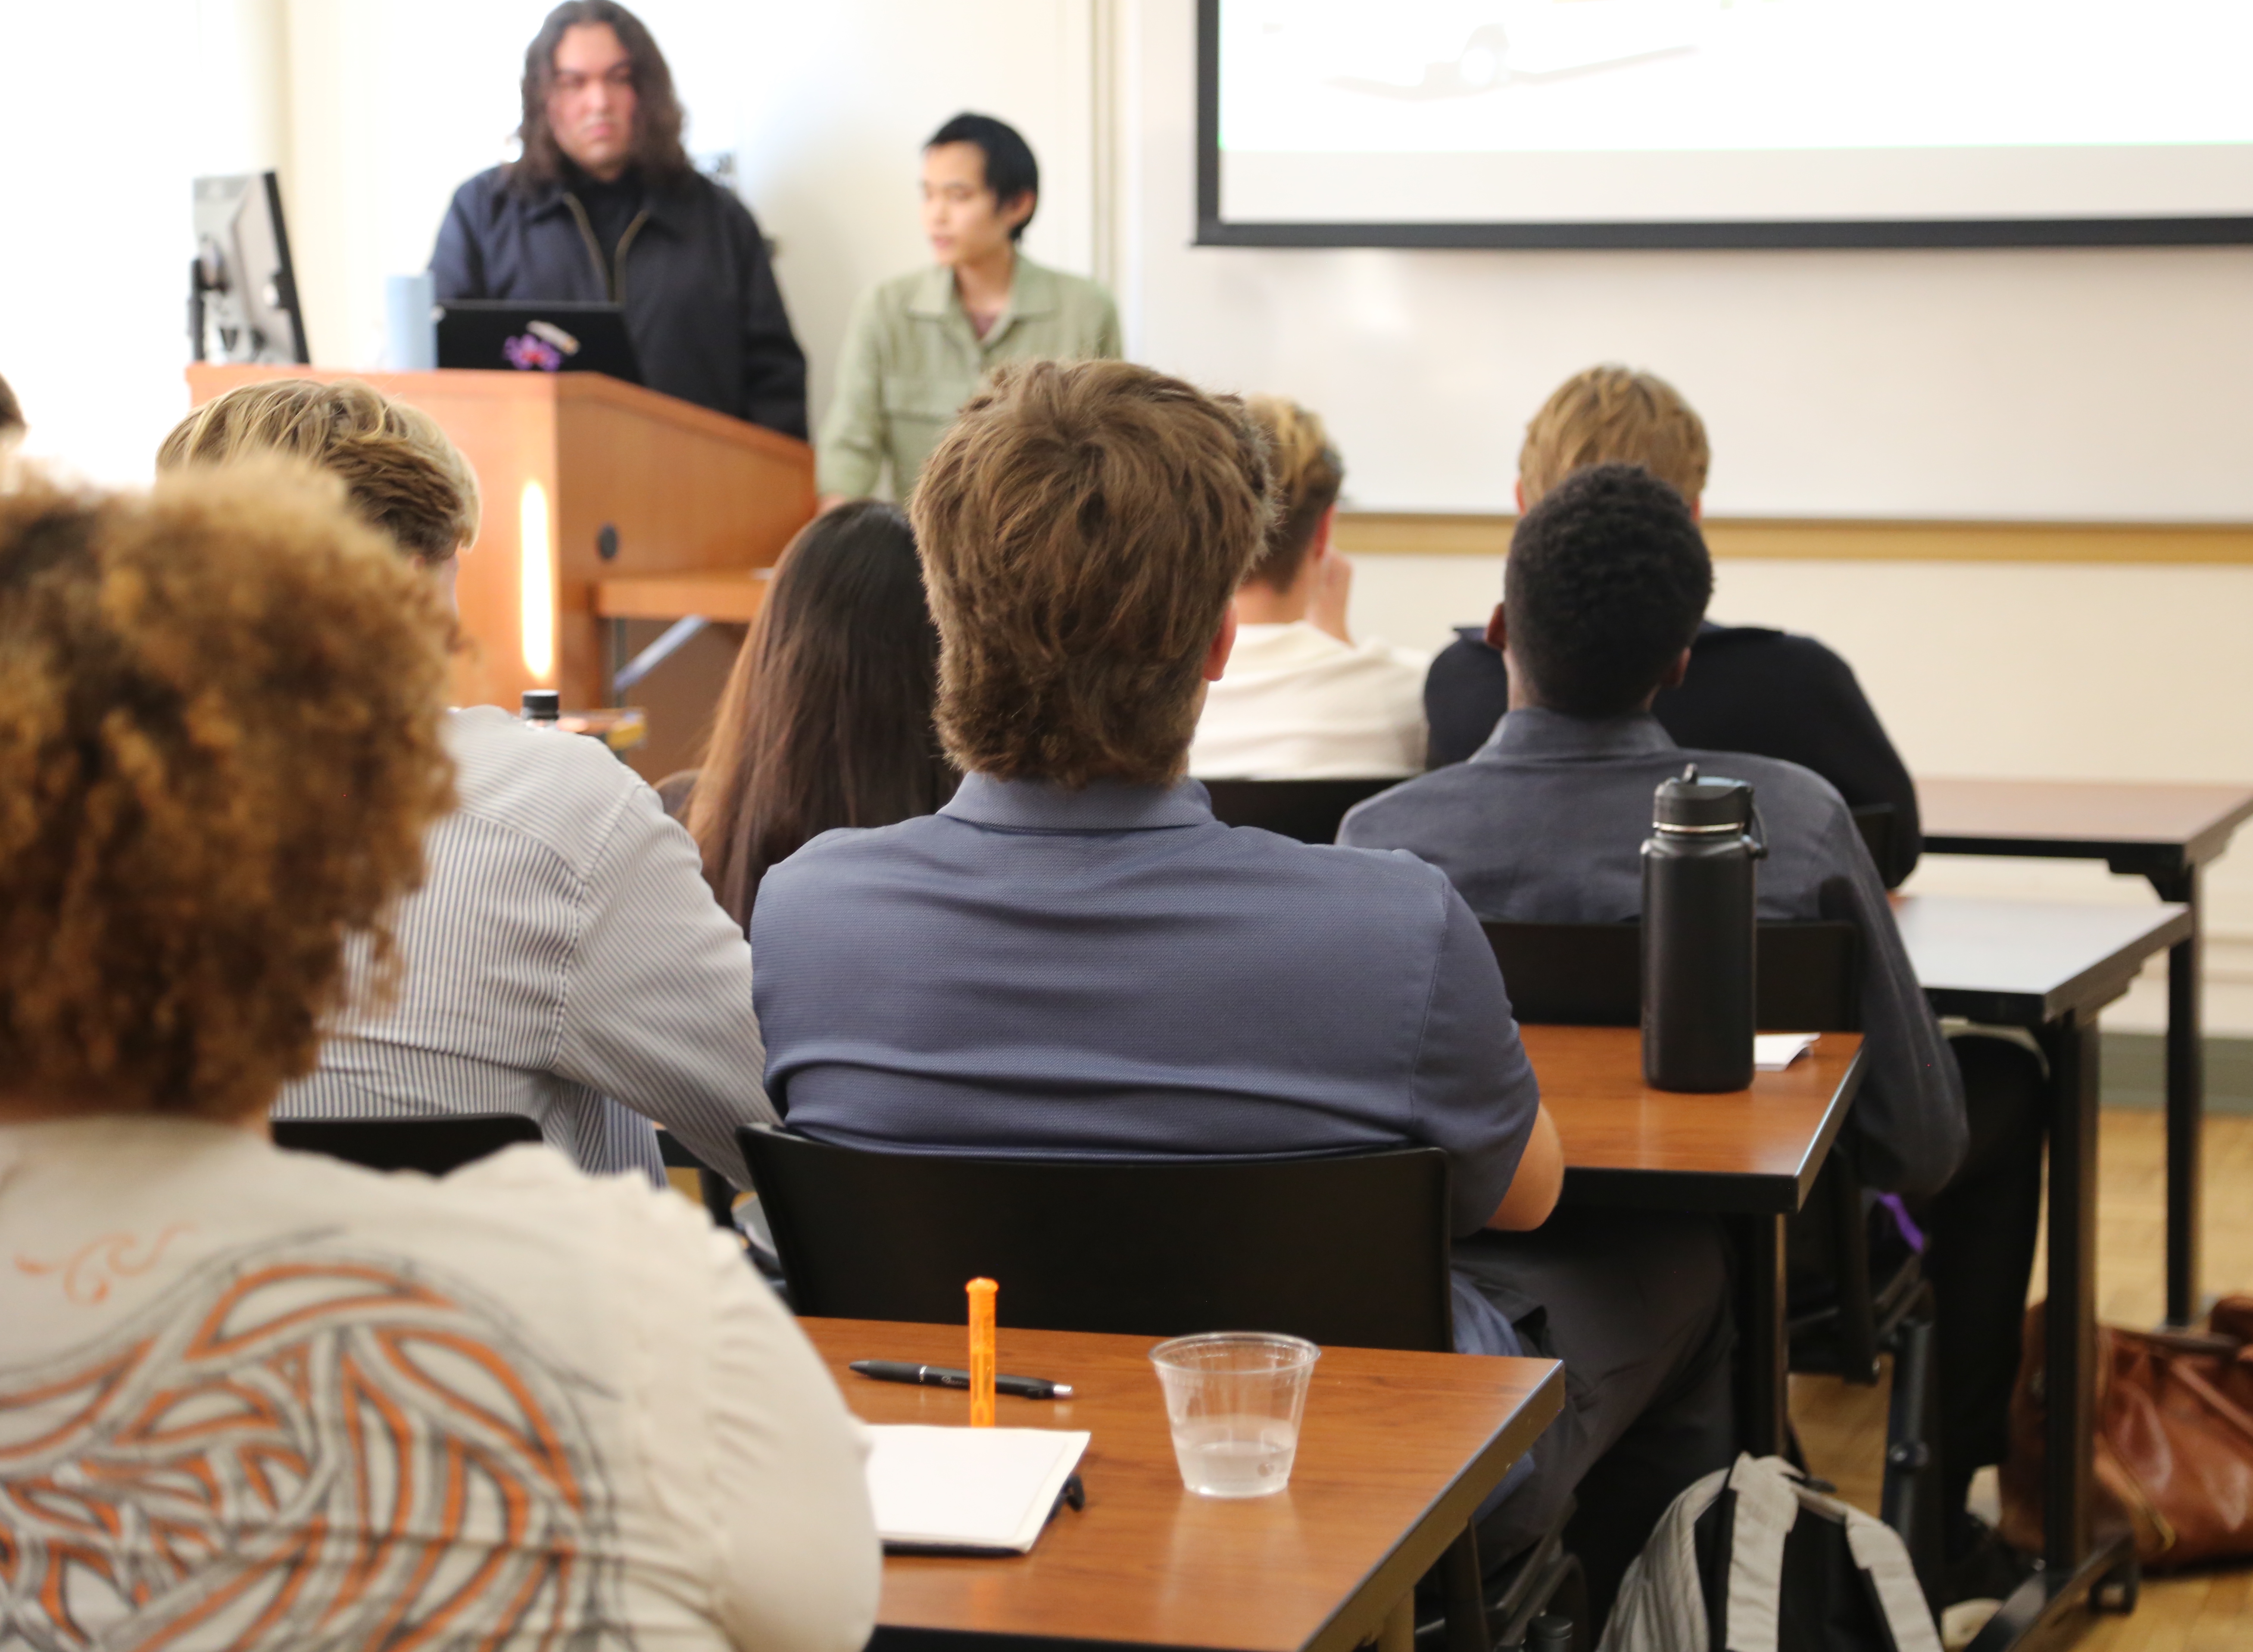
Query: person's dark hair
826, 719
657, 150
1011, 171
1606, 580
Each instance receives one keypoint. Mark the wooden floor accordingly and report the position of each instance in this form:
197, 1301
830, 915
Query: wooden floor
1842, 1429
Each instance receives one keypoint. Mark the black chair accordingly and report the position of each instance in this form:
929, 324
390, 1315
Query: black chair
1347, 1250
1807, 978
1880, 830
1307, 810
433, 1146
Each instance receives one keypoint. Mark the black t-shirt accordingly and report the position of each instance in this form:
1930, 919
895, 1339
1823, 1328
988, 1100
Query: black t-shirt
610, 207
1749, 689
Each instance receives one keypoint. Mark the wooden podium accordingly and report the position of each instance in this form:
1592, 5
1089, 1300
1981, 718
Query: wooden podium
588, 481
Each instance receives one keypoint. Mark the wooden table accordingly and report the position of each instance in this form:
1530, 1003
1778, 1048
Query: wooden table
2051, 967
2164, 834
691, 601
1750, 1158
1396, 1451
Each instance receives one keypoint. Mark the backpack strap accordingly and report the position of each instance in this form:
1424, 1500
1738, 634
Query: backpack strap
1877, 1550
1767, 1507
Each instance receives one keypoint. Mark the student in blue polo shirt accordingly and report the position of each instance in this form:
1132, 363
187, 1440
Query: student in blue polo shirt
1073, 957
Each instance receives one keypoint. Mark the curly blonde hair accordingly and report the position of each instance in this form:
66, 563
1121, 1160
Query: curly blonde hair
405, 476
1615, 415
1083, 526
1309, 477
219, 751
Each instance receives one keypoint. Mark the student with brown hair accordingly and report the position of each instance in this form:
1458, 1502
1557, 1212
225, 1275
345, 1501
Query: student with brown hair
826, 718
564, 960
1073, 957
1300, 700
268, 1400
1748, 688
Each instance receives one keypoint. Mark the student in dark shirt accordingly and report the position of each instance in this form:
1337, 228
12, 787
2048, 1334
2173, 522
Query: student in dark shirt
1073, 957
1748, 688
1606, 583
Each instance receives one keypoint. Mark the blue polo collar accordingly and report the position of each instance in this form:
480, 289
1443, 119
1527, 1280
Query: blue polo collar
1533, 731
1101, 805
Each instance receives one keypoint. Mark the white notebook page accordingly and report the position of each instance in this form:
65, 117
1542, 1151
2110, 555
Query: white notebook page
987, 1488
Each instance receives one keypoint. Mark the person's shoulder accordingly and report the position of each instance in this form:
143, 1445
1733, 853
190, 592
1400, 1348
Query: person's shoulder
562, 789
484, 193
1467, 656
1782, 651
1335, 870
841, 854
1773, 780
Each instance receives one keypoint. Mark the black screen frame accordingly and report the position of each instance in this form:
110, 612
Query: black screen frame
1735, 235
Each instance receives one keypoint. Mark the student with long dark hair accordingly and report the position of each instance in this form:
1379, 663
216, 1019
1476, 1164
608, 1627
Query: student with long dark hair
826, 720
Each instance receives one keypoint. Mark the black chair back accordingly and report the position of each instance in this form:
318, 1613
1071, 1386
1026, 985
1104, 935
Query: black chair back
1880, 830
433, 1146
1350, 1251
1807, 976
1307, 810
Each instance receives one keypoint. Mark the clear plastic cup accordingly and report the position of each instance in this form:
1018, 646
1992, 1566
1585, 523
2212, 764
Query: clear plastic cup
1234, 1399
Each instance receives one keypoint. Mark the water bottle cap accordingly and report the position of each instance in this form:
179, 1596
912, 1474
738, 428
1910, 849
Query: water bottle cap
542, 705
1687, 802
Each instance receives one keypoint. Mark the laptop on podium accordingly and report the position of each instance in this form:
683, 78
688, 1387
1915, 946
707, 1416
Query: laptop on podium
524, 336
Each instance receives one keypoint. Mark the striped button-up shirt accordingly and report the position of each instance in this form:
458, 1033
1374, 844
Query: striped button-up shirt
563, 960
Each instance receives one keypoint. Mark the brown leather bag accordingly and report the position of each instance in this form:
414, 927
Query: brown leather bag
2175, 1440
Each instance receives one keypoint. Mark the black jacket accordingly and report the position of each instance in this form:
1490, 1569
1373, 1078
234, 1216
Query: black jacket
1766, 692
701, 305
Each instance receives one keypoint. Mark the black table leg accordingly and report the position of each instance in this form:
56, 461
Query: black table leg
2046, 1609
1763, 1349
2186, 1099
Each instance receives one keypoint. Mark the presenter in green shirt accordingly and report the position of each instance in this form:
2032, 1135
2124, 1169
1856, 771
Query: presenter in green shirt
917, 344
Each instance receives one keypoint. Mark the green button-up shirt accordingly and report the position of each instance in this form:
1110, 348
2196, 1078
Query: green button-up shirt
912, 358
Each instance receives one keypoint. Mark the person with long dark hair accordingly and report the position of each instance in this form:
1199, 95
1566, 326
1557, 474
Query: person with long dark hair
604, 208
827, 717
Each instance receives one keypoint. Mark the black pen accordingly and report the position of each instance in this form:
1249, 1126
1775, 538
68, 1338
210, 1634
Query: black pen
893, 1371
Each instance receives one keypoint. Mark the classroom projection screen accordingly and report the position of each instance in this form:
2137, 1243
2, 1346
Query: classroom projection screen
1725, 122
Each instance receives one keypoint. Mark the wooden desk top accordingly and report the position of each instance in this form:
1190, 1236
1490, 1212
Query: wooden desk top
1755, 1152
2026, 963
727, 595
2139, 828
1396, 1451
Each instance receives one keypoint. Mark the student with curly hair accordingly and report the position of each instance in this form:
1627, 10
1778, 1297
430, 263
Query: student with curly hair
270, 1399
565, 959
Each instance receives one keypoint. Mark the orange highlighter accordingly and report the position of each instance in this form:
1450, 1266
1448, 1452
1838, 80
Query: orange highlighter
981, 1352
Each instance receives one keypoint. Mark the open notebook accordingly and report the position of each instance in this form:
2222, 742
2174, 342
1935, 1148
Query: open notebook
1773, 1052
977, 1490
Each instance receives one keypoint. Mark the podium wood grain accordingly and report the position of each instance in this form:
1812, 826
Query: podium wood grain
687, 491
1396, 1451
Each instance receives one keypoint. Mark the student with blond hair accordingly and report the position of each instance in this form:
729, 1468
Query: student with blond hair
564, 960
1301, 700
1749, 688
1074, 958
268, 1400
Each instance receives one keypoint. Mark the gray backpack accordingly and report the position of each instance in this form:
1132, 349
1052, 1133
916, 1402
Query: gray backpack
1753, 1559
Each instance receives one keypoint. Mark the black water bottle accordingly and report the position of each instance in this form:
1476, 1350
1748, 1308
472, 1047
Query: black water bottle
1699, 891
542, 705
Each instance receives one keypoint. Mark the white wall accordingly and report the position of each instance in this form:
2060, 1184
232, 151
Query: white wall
2041, 384
96, 201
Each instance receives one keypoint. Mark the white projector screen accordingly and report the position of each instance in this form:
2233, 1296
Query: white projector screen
1725, 122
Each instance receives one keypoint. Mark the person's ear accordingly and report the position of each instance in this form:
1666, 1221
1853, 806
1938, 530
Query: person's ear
1697, 507
1497, 629
1223, 642
1675, 671
1321, 547
1017, 212
1517, 494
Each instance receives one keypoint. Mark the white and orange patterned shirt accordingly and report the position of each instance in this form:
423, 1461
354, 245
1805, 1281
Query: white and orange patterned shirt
252, 1399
